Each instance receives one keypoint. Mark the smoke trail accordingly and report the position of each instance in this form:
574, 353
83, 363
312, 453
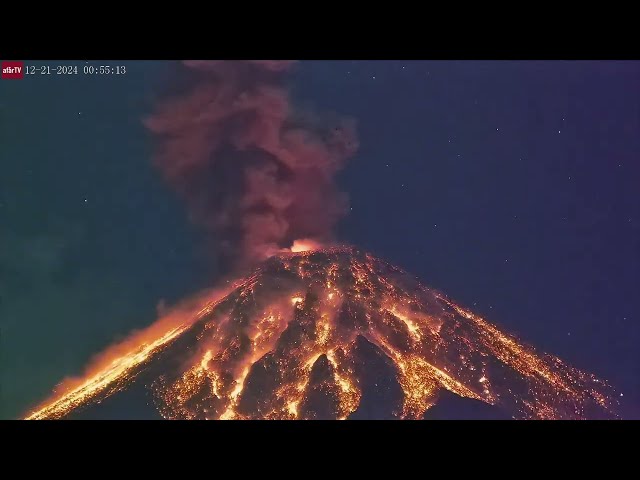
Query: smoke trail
252, 170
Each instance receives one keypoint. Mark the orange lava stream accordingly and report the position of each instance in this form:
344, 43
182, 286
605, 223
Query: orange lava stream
96, 384
292, 335
111, 370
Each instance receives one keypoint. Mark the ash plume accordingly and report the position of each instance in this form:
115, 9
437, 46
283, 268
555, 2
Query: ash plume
254, 172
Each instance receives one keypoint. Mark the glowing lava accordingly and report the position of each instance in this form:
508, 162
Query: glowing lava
116, 367
305, 245
309, 336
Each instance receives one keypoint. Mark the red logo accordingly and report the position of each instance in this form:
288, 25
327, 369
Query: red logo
13, 70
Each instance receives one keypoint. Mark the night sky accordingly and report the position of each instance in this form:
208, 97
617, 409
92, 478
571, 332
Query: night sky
511, 186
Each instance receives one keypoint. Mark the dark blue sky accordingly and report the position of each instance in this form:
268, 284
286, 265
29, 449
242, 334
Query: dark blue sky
511, 186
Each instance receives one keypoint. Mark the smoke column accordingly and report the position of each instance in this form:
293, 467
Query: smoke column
253, 171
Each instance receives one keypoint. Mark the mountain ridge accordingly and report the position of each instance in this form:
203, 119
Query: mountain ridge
310, 335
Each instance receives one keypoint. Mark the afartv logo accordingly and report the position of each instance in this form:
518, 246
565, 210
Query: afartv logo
12, 70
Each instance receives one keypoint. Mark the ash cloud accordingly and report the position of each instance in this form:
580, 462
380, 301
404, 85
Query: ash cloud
254, 172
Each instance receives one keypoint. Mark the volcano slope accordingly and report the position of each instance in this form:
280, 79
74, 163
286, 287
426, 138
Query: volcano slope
333, 334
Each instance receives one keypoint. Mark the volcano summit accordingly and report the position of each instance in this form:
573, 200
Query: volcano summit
332, 334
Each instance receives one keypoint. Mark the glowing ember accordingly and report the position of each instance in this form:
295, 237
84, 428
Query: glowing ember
305, 245
297, 338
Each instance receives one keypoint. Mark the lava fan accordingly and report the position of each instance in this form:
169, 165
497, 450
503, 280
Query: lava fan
332, 334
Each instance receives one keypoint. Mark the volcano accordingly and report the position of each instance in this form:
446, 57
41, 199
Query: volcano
331, 334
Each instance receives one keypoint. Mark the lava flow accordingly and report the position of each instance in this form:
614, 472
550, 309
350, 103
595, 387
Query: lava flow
310, 335
112, 370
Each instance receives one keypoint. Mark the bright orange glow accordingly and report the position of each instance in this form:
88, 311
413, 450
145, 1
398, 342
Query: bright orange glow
305, 245
114, 365
294, 332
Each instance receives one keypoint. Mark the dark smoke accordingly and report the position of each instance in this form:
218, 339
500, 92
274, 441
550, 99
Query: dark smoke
254, 172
